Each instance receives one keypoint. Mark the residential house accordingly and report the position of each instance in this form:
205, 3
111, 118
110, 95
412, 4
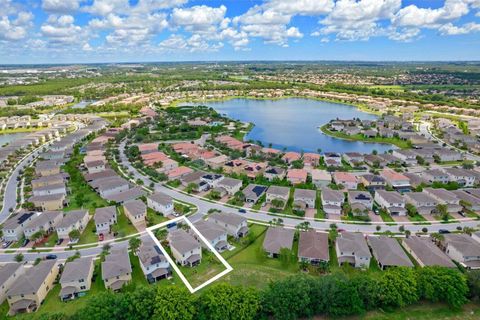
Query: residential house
9, 273
72, 220
304, 199
423, 202
464, 178
212, 179
354, 159
332, 159
361, 202
217, 162
313, 247
46, 168
311, 159
395, 179
426, 253
95, 166
297, 176
30, 290
186, 250
161, 203
372, 182
253, 192
352, 248
375, 161
320, 178
116, 270
332, 201
290, 157
278, 238
154, 265
14, 226
53, 179
279, 193
49, 202
391, 201
463, 249
235, 225
471, 200
136, 211
76, 278
388, 252
230, 185
435, 176
445, 197
104, 218
44, 222
215, 235
345, 179
407, 156
50, 189
447, 155
272, 173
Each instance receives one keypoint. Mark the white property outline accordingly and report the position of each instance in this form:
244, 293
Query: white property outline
174, 264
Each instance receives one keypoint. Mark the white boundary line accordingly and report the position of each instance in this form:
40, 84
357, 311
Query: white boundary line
228, 267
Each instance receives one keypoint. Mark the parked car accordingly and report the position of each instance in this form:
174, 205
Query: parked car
51, 257
6, 244
59, 242
25, 242
242, 210
443, 231
101, 237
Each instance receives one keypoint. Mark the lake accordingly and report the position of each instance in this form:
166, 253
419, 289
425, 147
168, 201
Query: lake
293, 123
9, 137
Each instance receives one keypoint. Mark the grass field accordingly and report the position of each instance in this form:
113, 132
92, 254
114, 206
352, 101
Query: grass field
402, 144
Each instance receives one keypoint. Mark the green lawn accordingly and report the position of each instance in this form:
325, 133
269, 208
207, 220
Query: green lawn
124, 225
402, 144
154, 217
208, 268
417, 218
81, 195
88, 235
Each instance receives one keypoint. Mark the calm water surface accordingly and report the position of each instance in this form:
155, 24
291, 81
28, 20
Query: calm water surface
293, 123
9, 137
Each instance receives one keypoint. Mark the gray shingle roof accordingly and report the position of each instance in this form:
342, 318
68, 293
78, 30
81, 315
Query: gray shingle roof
103, 215
277, 238
32, 279
353, 242
7, 270
161, 198
77, 269
72, 217
388, 251
313, 245
427, 252
182, 241
228, 218
117, 263
135, 207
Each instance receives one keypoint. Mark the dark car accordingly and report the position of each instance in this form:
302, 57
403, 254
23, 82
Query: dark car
25, 242
242, 210
59, 242
51, 257
443, 231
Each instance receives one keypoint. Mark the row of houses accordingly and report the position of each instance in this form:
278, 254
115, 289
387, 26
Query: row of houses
357, 250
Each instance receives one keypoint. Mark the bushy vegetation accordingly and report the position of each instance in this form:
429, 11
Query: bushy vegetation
300, 296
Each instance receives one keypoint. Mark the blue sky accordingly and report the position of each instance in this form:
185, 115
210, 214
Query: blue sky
66, 31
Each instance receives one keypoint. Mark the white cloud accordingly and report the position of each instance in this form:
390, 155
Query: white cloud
177, 43
404, 34
15, 27
105, 7
413, 16
61, 30
358, 20
450, 29
300, 7
198, 18
61, 6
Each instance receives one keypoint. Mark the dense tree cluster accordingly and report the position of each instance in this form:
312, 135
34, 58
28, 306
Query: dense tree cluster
294, 297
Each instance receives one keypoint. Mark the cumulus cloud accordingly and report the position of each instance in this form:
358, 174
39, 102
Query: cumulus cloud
450, 29
358, 20
61, 30
195, 43
15, 27
61, 6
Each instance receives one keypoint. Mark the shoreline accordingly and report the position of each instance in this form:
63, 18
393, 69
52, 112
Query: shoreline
329, 133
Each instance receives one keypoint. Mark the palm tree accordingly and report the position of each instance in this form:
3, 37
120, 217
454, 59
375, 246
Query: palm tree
134, 244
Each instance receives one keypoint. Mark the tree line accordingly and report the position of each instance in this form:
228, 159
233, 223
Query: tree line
300, 296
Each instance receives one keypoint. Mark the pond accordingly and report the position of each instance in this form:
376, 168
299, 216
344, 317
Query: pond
9, 137
294, 123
